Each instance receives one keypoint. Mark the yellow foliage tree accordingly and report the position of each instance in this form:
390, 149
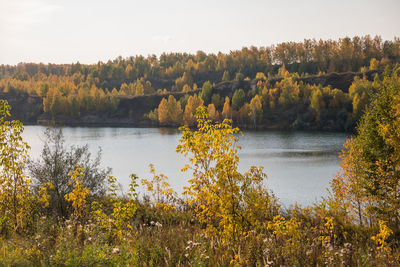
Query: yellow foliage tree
217, 190
317, 103
78, 195
14, 185
212, 112
119, 223
227, 110
163, 195
256, 109
370, 162
174, 110
193, 103
163, 111
346, 186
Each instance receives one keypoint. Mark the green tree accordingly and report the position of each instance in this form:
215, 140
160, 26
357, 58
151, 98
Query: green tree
317, 102
225, 76
57, 161
217, 100
371, 160
239, 76
290, 91
206, 92
238, 99
360, 91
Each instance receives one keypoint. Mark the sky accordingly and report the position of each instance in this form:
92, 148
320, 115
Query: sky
88, 31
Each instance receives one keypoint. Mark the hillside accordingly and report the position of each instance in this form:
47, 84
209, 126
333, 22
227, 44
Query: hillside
131, 109
323, 85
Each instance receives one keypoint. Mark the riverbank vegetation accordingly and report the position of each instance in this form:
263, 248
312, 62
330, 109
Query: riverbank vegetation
263, 82
298, 104
66, 211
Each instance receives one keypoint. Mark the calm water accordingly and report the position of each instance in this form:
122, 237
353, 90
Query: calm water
299, 165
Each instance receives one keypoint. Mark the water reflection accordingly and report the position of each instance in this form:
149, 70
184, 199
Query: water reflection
168, 131
299, 165
291, 154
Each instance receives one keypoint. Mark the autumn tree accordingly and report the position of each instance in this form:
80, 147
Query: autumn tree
14, 184
185, 79
163, 111
260, 76
186, 88
174, 110
117, 224
193, 103
338, 99
370, 164
139, 89
317, 102
256, 109
373, 64
227, 110
290, 91
79, 192
213, 114
360, 91
245, 113
158, 186
217, 191
346, 186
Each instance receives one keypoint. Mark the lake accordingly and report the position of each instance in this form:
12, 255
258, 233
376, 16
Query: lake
299, 165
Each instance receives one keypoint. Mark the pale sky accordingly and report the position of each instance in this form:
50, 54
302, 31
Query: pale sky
88, 31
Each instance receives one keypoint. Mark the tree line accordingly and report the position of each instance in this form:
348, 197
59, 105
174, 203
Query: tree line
84, 88
312, 104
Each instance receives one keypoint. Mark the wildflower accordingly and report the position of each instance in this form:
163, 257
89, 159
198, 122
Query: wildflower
115, 251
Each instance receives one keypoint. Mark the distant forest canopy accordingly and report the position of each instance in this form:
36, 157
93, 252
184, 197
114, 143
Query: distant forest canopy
79, 89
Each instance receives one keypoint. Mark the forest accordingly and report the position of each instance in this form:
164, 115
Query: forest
267, 85
63, 209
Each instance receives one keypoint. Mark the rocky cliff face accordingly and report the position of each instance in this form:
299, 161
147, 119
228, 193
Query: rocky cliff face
24, 107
